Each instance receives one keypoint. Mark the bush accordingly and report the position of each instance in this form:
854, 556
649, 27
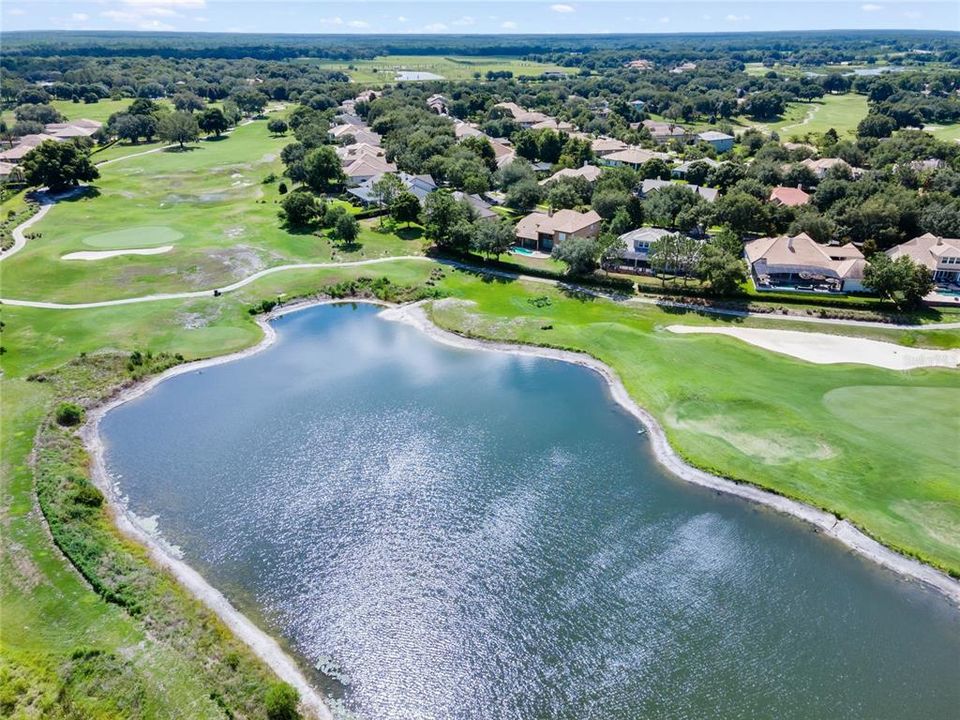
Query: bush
87, 494
69, 414
281, 701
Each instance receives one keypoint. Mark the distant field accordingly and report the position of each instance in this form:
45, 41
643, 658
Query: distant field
945, 132
383, 69
840, 112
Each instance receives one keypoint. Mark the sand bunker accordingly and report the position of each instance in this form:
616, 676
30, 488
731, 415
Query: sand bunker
826, 349
103, 254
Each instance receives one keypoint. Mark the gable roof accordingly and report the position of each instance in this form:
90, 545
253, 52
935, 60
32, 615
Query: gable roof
653, 184
714, 135
801, 253
603, 146
634, 156
926, 249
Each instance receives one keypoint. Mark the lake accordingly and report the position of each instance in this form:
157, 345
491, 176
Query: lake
413, 75
466, 534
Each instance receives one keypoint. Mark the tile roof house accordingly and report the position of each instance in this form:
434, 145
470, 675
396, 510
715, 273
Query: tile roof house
789, 196
73, 128
800, 262
462, 130
366, 167
24, 145
652, 185
438, 103
590, 173
941, 255
359, 133
544, 230
639, 64
721, 142
604, 146
662, 132
821, 166
631, 157
551, 124
523, 117
503, 153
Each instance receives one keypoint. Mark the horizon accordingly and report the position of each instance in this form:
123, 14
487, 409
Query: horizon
498, 18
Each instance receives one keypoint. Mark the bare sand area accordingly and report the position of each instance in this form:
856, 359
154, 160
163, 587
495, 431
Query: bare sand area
825, 349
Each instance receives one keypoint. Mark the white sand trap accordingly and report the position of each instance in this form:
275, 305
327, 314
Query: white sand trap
103, 254
826, 349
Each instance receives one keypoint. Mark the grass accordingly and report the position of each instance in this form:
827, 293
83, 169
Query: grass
381, 70
949, 133
212, 195
840, 112
761, 417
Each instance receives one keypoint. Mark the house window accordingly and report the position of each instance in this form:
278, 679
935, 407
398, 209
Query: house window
561, 236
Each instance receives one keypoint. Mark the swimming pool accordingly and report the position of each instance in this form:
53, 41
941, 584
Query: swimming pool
521, 251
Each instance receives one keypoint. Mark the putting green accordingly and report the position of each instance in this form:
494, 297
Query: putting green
923, 419
134, 237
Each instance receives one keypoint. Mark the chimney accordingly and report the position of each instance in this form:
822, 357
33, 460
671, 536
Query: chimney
550, 211
790, 244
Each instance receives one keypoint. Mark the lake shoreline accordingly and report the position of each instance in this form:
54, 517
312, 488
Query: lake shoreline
268, 650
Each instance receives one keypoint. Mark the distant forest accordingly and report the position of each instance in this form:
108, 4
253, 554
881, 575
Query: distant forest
815, 48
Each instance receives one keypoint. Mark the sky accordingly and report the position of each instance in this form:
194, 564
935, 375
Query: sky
468, 17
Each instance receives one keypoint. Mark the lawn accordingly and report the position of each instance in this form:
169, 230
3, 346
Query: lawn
840, 112
853, 439
382, 69
949, 133
209, 202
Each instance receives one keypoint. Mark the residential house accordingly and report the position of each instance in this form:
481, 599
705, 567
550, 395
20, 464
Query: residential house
523, 117
359, 133
438, 103
590, 173
631, 157
634, 246
801, 263
551, 124
823, 165
6, 170
480, 206
684, 67
604, 146
789, 196
541, 231
419, 185
941, 255
638, 105
721, 142
24, 145
680, 172
365, 167
662, 132
653, 184
639, 64
462, 129
73, 129
503, 152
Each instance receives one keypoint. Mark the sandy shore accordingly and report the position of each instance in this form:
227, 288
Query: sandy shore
826, 349
823, 521
270, 652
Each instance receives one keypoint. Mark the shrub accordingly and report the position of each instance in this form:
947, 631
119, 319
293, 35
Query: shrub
281, 701
69, 414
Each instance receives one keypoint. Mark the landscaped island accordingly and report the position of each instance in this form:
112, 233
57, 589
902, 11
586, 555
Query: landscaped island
397, 513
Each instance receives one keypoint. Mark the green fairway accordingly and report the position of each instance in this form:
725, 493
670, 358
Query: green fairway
383, 69
841, 112
949, 133
211, 198
808, 431
138, 236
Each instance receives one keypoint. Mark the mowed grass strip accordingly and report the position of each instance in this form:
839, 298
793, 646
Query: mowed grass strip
841, 112
211, 197
808, 431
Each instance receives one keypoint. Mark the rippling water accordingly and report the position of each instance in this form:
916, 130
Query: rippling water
457, 534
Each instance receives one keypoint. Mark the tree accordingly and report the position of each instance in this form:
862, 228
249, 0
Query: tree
213, 122
876, 126
127, 127
492, 237
188, 102
346, 228
58, 165
44, 114
385, 190
323, 169
281, 702
277, 126
442, 216
250, 102
720, 264
579, 254
405, 207
179, 127
664, 206
902, 281
299, 209
607, 201
524, 194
